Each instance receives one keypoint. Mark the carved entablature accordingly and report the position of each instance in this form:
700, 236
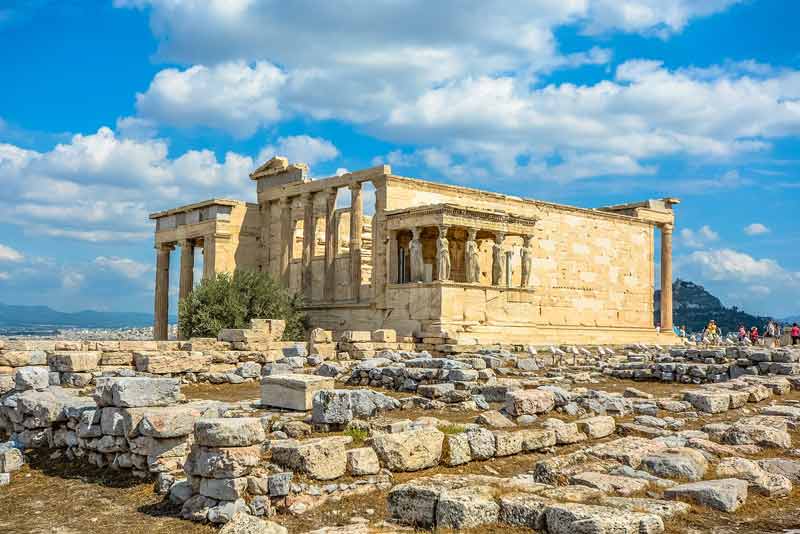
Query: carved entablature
463, 216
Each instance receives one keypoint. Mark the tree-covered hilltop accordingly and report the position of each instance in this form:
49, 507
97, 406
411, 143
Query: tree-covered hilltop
693, 307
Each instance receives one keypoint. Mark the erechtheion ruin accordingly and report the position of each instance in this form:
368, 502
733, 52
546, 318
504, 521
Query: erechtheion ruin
433, 260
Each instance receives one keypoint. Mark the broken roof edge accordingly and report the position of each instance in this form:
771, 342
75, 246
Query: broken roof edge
201, 204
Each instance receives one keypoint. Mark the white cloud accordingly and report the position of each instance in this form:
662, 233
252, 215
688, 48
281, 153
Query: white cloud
731, 265
300, 148
125, 266
698, 238
72, 280
755, 229
102, 186
4, 275
9, 254
232, 96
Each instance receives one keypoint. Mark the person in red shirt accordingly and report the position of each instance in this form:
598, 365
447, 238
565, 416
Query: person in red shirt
754, 335
795, 333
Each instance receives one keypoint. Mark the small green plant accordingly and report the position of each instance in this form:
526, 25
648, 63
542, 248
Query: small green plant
232, 300
452, 429
359, 435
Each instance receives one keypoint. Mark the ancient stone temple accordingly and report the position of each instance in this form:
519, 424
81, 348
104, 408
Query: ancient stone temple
433, 260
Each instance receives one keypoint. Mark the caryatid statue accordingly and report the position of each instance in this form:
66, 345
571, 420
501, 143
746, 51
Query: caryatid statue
443, 255
415, 251
527, 261
473, 268
497, 259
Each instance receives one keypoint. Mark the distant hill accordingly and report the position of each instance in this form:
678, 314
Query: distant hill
693, 307
16, 316
791, 319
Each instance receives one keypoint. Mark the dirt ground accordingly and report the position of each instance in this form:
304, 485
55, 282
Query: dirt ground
52, 497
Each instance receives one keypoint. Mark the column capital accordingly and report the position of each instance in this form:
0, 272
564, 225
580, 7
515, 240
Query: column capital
306, 195
499, 237
526, 240
667, 228
354, 186
331, 192
165, 247
188, 242
443, 228
472, 233
283, 201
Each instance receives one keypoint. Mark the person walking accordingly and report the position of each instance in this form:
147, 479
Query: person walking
742, 333
795, 333
754, 335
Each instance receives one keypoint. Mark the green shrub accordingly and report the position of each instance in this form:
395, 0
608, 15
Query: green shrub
451, 429
359, 435
231, 301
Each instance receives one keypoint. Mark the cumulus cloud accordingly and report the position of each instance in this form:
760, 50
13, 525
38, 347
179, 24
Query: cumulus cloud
102, 186
755, 229
698, 238
233, 96
731, 265
8, 254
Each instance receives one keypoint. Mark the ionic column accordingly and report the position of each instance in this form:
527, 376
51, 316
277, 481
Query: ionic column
415, 255
331, 244
266, 227
379, 245
187, 272
356, 226
393, 272
209, 257
287, 239
161, 307
508, 270
666, 278
497, 259
309, 242
442, 255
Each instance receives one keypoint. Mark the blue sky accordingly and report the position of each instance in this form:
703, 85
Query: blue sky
110, 110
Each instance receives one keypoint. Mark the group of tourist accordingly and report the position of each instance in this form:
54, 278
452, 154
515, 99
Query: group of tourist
772, 332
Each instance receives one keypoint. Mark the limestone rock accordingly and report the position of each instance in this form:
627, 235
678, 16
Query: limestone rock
726, 494
362, 461
529, 401
680, 463
597, 427
229, 432
320, 459
467, 507
523, 510
619, 485
243, 523
26, 378
292, 391
132, 392
222, 462
411, 450
571, 518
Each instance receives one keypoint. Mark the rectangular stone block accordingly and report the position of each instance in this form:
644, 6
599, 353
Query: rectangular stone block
170, 362
354, 336
74, 361
292, 391
22, 358
117, 358
384, 335
139, 391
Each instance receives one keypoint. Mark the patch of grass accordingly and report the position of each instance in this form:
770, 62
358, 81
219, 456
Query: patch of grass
359, 435
451, 429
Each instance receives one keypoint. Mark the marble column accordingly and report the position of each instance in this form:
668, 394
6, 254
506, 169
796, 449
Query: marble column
356, 227
287, 240
266, 228
393, 272
666, 277
442, 255
309, 244
331, 244
498, 259
186, 273
209, 257
472, 267
161, 308
509, 272
415, 255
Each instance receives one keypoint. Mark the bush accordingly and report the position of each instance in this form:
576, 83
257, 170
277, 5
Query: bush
231, 301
